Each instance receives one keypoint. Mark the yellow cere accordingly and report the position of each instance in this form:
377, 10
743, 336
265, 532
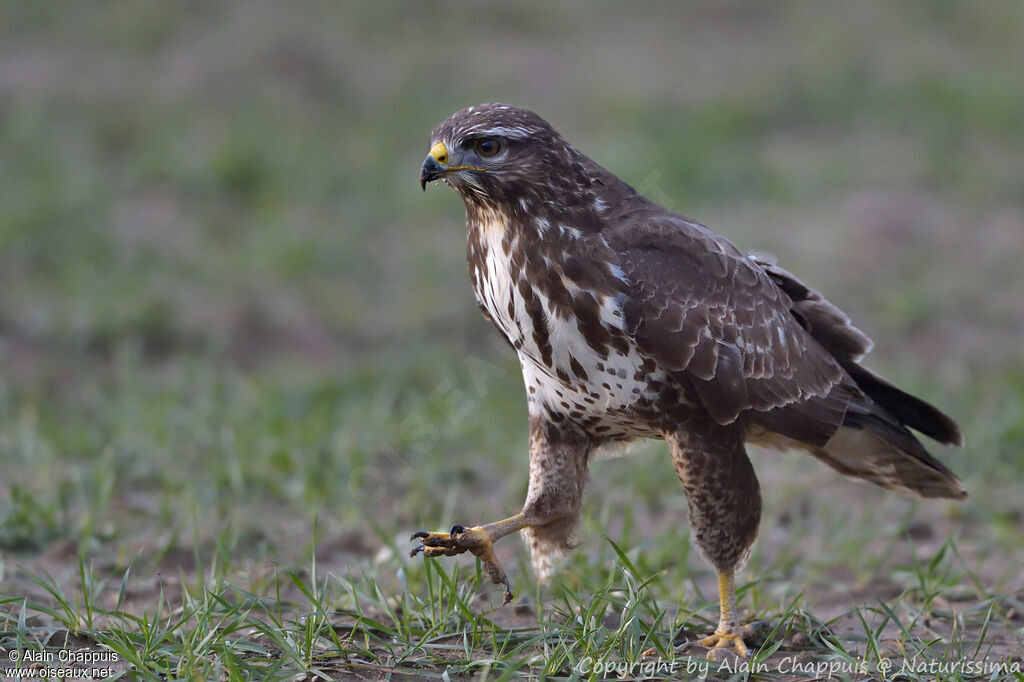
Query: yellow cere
440, 153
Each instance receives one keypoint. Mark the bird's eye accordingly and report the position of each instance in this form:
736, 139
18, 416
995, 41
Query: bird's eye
488, 147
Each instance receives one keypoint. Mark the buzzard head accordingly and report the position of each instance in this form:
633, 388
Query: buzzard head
495, 154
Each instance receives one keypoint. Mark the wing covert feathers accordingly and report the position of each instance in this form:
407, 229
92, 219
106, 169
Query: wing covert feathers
829, 325
714, 317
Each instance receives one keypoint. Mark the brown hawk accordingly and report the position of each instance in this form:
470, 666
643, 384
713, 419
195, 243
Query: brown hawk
632, 321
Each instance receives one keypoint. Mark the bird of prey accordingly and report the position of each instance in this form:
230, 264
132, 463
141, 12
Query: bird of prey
631, 321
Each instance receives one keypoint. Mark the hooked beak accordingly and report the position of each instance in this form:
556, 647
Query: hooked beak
434, 165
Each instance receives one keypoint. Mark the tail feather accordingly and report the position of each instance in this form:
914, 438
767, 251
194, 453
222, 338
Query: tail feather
873, 448
860, 430
908, 410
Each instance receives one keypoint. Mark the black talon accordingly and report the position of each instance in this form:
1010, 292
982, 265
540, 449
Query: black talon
416, 550
419, 534
457, 530
508, 596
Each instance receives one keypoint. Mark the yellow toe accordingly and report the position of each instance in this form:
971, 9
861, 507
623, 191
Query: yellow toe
726, 640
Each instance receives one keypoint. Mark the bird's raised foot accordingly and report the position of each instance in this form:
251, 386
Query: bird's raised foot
455, 541
460, 539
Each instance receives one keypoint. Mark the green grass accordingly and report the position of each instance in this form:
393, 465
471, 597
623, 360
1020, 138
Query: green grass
241, 361
269, 566
436, 619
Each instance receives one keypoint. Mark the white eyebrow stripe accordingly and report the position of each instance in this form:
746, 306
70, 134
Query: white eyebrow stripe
503, 131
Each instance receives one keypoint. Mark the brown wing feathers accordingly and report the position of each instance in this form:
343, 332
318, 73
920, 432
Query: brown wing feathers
751, 339
706, 312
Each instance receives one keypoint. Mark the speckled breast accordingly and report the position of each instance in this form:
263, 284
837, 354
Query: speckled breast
600, 381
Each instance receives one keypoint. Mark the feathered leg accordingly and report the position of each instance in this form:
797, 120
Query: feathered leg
550, 515
724, 502
558, 474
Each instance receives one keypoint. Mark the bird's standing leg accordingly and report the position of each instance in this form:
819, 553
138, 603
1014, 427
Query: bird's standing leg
724, 502
728, 634
550, 516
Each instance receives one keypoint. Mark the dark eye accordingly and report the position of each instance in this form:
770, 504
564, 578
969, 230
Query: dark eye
488, 147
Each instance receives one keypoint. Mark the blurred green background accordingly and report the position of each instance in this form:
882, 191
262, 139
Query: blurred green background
227, 311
